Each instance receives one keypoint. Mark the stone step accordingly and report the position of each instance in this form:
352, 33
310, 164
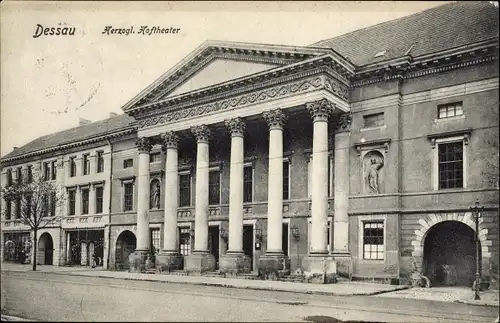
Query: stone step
213, 274
292, 278
249, 276
177, 272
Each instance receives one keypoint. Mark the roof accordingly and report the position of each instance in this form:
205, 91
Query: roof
80, 133
432, 30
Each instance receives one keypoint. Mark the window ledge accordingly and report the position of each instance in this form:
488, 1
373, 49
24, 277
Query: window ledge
372, 128
455, 118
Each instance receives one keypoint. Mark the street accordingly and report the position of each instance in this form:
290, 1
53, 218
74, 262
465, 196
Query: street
53, 297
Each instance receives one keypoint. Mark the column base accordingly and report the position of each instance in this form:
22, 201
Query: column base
168, 261
273, 266
343, 261
319, 269
235, 263
199, 262
138, 261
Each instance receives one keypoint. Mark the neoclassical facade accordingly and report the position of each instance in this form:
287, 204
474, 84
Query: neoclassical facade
357, 156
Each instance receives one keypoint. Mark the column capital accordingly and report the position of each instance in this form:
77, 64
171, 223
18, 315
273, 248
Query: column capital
320, 110
169, 140
143, 144
236, 126
275, 118
344, 122
202, 133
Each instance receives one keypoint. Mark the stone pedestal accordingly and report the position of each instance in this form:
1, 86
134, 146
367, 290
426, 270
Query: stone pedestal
169, 261
235, 263
273, 266
199, 262
319, 269
343, 261
137, 261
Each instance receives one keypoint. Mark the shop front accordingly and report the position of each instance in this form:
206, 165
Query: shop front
85, 248
17, 247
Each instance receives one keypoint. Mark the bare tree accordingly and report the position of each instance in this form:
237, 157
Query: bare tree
38, 201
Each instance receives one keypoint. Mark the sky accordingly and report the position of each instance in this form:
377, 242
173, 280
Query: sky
49, 82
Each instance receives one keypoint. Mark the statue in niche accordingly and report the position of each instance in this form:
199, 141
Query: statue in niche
155, 195
373, 163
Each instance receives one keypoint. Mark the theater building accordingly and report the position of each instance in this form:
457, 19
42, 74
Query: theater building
357, 156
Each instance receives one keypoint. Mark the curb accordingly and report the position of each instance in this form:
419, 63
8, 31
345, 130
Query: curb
224, 285
477, 303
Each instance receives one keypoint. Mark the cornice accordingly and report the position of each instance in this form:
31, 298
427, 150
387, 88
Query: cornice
70, 145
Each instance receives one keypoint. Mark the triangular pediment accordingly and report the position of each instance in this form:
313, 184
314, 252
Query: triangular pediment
220, 62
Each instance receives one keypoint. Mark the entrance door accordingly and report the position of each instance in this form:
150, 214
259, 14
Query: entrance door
284, 239
213, 243
49, 250
248, 241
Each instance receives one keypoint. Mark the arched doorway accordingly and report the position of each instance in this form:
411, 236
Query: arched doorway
450, 254
125, 245
45, 249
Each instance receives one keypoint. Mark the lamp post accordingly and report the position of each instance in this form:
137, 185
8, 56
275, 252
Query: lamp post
476, 213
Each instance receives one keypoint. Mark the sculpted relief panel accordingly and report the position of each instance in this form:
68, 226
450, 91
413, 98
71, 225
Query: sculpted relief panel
373, 172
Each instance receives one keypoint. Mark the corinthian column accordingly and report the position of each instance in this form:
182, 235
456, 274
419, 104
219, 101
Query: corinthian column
201, 260
169, 258
235, 260
137, 260
320, 111
274, 261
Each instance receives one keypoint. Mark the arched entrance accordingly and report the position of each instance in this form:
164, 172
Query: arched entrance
449, 254
125, 245
45, 249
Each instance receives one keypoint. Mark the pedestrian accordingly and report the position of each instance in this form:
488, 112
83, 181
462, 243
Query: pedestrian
94, 259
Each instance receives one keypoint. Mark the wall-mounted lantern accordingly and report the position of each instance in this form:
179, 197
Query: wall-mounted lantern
295, 232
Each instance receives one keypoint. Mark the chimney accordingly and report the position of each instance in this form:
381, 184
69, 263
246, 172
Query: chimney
113, 114
82, 121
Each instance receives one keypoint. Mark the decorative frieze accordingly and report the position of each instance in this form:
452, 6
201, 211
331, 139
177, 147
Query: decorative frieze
236, 126
344, 122
143, 145
275, 119
337, 88
320, 110
201, 133
169, 140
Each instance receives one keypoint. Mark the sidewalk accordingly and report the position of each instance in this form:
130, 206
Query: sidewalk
343, 288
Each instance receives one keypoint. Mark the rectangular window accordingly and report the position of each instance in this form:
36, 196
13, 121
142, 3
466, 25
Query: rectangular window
100, 161
373, 120
8, 209
86, 164
30, 174
451, 165
184, 241
46, 171
85, 201
248, 184
286, 180
155, 157
184, 190
450, 110
128, 197
127, 163
9, 177
99, 193
19, 175
155, 239
45, 205
53, 201
29, 205
214, 187
53, 171
72, 167
18, 208
71, 202
373, 240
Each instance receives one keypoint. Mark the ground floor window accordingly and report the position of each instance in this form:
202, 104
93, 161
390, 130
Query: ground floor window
85, 247
185, 241
373, 240
155, 240
17, 247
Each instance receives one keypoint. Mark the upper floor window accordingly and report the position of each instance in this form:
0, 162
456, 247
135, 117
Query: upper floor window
8, 209
30, 174
100, 161
18, 208
71, 201
45, 205
128, 196
214, 187
86, 164
19, 175
99, 195
373, 240
184, 190
373, 120
29, 206
85, 201
450, 110
53, 201
72, 167
154, 157
451, 170
46, 171
53, 171
286, 179
9, 177
248, 183
128, 163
